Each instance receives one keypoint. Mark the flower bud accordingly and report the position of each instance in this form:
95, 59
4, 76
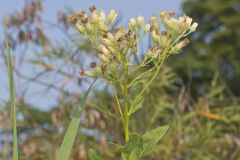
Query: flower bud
132, 23
188, 21
102, 15
103, 57
112, 16
194, 27
140, 20
110, 36
155, 37
89, 27
104, 50
147, 28
163, 15
106, 41
94, 17
153, 19
80, 28
102, 26
182, 44
111, 49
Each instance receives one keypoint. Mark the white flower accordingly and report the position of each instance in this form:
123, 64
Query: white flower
132, 23
188, 20
112, 16
194, 27
140, 20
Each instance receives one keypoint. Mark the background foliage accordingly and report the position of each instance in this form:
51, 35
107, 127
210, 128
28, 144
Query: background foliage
197, 92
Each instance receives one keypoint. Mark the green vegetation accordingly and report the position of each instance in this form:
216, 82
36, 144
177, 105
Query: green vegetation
196, 92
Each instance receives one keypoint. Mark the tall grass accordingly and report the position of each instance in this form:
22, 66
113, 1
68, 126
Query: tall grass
12, 102
70, 135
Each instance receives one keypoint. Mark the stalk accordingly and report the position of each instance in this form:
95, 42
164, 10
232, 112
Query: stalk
125, 93
12, 103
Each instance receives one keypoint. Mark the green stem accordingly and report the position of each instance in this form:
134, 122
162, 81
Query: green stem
117, 100
125, 93
12, 101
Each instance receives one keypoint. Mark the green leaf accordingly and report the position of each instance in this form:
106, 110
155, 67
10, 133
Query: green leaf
68, 141
103, 109
139, 146
136, 105
12, 102
135, 99
94, 155
152, 138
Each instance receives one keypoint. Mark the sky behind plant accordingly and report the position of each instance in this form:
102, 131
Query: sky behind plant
126, 9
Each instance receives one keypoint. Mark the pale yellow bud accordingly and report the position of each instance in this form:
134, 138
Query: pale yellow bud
106, 41
140, 21
89, 27
102, 26
119, 33
182, 44
188, 21
110, 36
104, 50
147, 28
102, 15
194, 27
80, 28
153, 19
132, 24
94, 17
155, 37
163, 15
111, 49
103, 57
112, 16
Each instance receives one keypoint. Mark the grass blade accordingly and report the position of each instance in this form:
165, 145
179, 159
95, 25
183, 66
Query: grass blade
12, 103
70, 135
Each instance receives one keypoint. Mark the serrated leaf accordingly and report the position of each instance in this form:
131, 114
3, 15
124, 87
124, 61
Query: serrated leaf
151, 138
70, 135
139, 146
94, 155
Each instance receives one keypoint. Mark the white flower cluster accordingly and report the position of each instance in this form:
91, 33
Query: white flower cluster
116, 46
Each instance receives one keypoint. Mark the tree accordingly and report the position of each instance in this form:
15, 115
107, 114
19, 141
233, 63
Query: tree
215, 46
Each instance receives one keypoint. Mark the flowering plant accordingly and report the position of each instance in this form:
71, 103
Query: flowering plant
118, 61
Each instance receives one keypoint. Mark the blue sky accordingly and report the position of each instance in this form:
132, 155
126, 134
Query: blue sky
127, 10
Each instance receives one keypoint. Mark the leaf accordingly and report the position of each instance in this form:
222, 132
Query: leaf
152, 138
94, 155
136, 105
135, 99
139, 146
70, 135
104, 109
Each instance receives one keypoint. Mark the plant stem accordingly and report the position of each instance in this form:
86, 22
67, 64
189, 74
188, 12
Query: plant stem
118, 103
12, 102
125, 93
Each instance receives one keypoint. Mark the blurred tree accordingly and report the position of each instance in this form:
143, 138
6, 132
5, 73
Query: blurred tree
215, 45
